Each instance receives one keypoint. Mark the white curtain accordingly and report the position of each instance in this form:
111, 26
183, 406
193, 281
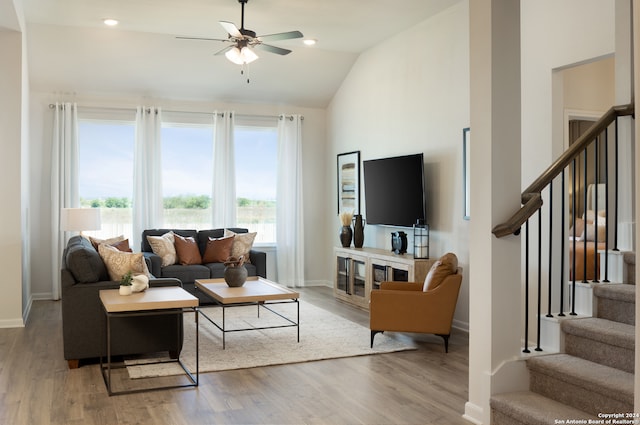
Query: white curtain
64, 181
223, 198
147, 175
289, 210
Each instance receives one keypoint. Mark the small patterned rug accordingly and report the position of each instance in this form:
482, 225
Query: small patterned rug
323, 335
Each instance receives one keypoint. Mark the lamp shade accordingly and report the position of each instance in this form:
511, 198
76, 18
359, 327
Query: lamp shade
80, 219
241, 56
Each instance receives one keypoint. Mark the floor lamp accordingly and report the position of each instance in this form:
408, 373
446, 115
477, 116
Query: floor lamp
80, 219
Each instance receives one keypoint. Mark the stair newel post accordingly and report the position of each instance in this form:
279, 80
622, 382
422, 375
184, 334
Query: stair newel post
550, 246
562, 239
539, 279
573, 241
615, 206
606, 205
526, 287
585, 185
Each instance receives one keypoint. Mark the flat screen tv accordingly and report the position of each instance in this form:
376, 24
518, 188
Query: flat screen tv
394, 190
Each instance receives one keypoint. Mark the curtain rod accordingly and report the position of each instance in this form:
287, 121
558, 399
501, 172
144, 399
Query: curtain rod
52, 106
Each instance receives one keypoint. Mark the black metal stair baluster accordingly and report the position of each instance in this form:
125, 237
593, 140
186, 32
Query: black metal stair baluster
550, 247
562, 246
585, 185
595, 210
573, 267
606, 205
526, 288
539, 278
616, 205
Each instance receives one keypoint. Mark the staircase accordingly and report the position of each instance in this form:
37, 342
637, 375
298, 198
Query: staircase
594, 375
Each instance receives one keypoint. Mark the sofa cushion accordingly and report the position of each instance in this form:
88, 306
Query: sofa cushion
84, 262
118, 263
218, 250
164, 247
445, 266
217, 270
242, 244
187, 250
186, 274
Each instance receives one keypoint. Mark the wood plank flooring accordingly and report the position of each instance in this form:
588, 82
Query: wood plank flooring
425, 386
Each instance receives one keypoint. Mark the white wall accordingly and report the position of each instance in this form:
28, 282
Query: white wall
575, 31
313, 135
13, 86
589, 86
408, 95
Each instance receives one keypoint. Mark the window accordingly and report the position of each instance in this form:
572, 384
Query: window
105, 171
256, 156
187, 164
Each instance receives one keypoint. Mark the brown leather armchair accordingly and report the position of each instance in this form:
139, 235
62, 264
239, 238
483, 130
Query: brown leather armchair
406, 307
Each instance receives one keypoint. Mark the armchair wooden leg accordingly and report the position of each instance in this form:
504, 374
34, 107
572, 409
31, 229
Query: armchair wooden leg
73, 364
446, 342
373, 333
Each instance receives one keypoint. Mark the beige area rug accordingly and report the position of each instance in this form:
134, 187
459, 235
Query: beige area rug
323, 335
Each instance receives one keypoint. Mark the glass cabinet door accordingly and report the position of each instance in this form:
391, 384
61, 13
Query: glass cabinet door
359, 278
342, 279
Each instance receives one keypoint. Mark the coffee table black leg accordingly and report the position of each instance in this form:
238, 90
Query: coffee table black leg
224, 331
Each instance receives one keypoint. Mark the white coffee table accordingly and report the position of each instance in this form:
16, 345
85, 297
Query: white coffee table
153, 301
255, 291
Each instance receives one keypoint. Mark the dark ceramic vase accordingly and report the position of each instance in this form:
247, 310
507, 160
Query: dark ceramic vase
345, 236
235, 276
358, 231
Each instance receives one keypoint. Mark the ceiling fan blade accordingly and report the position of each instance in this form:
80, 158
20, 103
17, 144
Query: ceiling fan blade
223, 51
202, 38
273, 49
281, 36
231, 28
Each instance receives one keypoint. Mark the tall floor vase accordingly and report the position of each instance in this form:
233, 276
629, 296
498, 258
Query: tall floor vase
358, 231
345, 236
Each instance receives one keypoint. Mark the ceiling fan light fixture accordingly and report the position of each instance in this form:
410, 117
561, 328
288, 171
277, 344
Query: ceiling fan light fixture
241, 56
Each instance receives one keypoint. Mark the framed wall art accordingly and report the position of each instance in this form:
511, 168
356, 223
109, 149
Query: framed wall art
349, 182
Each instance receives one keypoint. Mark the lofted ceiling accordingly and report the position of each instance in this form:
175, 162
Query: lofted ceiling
71, 50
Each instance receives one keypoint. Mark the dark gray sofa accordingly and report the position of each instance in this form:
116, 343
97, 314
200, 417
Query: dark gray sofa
83, 275
189, 273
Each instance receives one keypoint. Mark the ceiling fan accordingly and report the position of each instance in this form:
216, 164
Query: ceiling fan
243, 40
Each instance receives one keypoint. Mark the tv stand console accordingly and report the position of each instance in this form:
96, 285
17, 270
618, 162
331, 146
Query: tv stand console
360, 270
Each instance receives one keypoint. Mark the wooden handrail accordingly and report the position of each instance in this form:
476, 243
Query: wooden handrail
531, 198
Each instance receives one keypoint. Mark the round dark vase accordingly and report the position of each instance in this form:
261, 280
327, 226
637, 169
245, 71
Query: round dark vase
358, 231
345, 236
235, 276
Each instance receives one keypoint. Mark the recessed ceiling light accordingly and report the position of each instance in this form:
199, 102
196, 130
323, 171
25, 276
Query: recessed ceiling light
309, 41
110, 22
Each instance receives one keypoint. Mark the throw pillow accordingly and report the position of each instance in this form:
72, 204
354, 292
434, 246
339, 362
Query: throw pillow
187, 250
118, 263
576, 231
242, 244
122, 246
590, 232
111, 241
163, 246
446, 265
218, 250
